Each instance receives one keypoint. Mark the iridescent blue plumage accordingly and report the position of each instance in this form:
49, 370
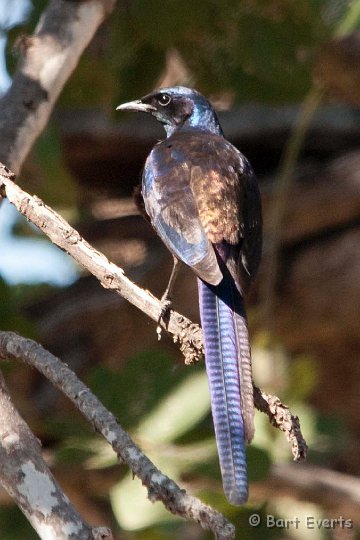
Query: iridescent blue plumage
203, 200
219, 308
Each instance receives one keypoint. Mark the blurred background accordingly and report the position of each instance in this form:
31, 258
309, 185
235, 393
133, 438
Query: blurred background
285, 78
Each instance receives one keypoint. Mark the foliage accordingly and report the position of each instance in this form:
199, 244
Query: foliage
262, 51
11, 317
14, 525
257, 51
169, 416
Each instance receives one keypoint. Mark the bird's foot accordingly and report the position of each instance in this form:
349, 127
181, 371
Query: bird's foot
166, 304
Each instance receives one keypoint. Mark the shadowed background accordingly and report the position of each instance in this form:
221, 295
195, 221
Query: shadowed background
256, 61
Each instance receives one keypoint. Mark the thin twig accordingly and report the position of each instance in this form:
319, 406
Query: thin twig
159, 486
280, 417
313, 482
282, 187
286, 172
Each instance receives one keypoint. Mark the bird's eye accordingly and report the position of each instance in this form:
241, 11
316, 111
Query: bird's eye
164, 100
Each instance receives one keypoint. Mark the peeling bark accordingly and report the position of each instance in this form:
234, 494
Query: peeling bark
27, 479
49, 57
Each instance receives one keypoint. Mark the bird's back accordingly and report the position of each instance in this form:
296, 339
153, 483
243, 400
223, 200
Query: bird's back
200, 189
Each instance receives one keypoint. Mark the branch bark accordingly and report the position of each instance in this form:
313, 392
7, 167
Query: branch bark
159, 486
27, 479
280, 417
314, 482
50, 55
110, 276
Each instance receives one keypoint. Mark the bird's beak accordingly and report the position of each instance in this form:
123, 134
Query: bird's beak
137, 105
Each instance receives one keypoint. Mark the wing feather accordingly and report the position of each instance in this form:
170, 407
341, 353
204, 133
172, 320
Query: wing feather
200, 191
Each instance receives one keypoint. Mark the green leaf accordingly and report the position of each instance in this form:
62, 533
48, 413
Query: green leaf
140, 386
178, 412
14, 525
56, 185
303, 378
259, 463
11, 317
133, 510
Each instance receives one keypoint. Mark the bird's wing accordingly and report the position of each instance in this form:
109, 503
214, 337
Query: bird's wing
200, 191
228, 200
170, 204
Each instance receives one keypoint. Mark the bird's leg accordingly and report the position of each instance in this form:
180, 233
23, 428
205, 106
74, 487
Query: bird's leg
166, 300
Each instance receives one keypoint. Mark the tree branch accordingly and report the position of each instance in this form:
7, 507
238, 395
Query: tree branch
159, 486
27, 479
110, 276
50, 55
280, 417
312, 482
185, 332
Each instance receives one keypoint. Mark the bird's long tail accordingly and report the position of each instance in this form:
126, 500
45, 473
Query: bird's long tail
228, 366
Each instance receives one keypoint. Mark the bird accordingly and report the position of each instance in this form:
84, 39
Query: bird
203, 200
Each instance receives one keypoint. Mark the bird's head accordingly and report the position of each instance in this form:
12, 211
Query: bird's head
176, 108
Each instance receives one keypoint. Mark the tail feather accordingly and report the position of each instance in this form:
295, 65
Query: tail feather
245, 373
228, 365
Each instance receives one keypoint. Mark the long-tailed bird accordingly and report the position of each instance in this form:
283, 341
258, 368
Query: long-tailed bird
203, 200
